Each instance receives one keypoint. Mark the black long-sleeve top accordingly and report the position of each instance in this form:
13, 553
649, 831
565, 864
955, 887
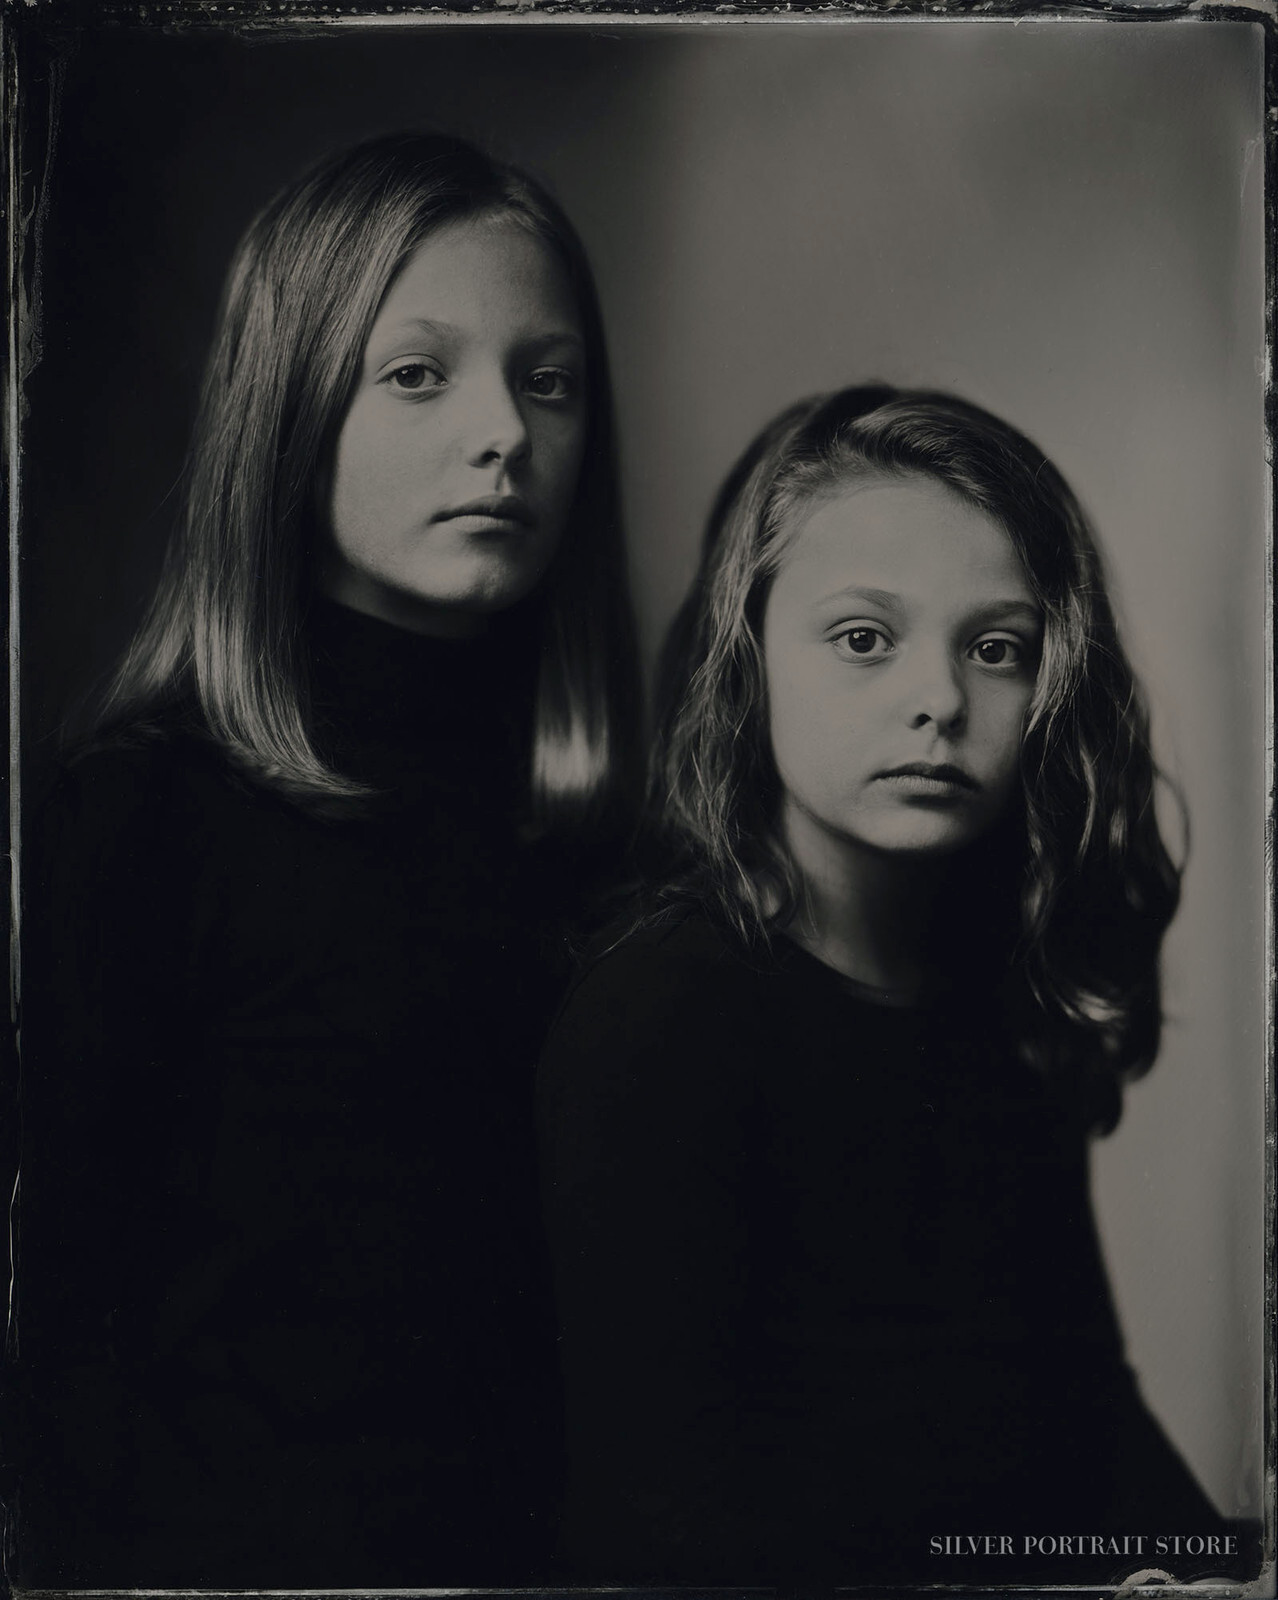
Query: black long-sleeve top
829, 1284
282, 1304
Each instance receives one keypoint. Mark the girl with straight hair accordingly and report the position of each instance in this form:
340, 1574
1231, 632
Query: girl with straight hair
299, 909
815, 1130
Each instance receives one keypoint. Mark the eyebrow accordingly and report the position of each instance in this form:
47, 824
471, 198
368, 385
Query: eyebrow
448, 330
1025, 609
432, 330
885, 600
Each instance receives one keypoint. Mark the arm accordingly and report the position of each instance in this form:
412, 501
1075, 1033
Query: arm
645, 1107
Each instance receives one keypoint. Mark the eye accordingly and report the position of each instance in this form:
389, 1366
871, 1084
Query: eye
998, 652
551, 383
414, 375
862, 643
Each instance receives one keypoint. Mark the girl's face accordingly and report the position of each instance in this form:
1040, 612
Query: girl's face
901, 640
458, 458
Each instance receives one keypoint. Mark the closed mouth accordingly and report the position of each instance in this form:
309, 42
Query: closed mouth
941, 773
494, 507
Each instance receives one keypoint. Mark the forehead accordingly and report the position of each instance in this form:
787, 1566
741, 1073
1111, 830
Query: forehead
482, 273
912, 536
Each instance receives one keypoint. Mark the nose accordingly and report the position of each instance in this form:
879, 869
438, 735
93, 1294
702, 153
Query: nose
937, 693
497, 430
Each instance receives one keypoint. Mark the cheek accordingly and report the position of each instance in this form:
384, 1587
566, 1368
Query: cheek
377, 480
1003, 736
563, 456
352, 479
809, 724
558, 465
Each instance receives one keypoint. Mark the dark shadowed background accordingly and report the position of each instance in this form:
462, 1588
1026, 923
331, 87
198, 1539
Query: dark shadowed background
1062, 221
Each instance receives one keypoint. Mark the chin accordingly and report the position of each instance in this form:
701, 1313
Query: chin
912, 837
490, 586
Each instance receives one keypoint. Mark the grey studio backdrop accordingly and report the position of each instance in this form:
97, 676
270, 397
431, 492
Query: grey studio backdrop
1062, 221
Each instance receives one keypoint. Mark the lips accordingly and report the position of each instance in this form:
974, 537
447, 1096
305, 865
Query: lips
491, 508
928, 775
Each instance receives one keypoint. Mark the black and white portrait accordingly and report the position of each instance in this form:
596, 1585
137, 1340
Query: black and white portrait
640, 751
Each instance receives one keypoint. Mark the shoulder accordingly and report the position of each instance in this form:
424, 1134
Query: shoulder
686, 965
676, 1005
132, 775
97, 792
123, 774
130, 803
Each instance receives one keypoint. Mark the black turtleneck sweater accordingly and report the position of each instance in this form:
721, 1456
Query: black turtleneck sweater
282, 1306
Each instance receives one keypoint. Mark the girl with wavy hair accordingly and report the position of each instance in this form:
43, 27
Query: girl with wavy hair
815, 1131
298, 910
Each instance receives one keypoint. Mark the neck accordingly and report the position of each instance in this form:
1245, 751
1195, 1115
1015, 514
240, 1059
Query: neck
869, 914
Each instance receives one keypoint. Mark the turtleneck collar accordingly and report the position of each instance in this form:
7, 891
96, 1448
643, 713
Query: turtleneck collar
397, 709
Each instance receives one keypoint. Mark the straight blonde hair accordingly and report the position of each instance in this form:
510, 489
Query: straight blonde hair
223, 636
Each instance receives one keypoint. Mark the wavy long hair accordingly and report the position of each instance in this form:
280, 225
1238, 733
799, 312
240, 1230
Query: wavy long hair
224, 633
1092, 885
